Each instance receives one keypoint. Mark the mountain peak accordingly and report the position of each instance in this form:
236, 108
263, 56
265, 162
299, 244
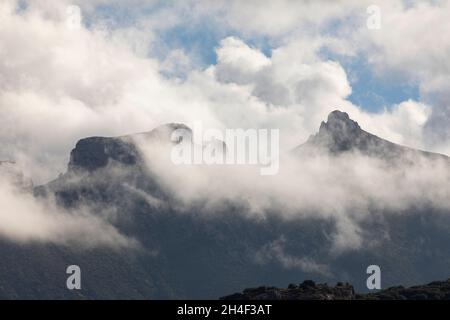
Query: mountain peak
339, 133
340, 125
337, 116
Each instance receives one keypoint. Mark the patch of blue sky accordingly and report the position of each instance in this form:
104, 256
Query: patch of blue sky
202, 39
198, 40
115, 15
374, 91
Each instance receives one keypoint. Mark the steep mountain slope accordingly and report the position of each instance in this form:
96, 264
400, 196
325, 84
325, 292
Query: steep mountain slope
196, 251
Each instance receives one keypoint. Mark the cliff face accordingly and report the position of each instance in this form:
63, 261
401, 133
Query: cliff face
309, 290
94, 153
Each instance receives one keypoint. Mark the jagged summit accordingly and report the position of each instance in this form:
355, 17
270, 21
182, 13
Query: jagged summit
340, 122
341, 134
338, 115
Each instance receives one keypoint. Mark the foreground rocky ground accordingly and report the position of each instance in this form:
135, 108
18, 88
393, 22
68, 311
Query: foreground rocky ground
309, 290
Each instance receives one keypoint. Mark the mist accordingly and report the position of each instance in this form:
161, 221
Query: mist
350, 188
29, 219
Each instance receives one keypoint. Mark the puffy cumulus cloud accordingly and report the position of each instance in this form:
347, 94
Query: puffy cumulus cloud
237, 62
26, 219
283, 80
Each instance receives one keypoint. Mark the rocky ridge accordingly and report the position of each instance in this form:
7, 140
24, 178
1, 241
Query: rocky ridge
309, 290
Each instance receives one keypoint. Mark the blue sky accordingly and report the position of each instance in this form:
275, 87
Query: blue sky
374, 92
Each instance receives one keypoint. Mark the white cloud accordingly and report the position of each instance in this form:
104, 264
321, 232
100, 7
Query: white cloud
275, 251
277, 18
237, 62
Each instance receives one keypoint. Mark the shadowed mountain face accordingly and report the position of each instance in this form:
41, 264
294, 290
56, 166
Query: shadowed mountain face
94, 153
199, 251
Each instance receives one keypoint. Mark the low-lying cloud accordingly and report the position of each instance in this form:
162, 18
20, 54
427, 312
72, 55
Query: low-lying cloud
26, 219
350, 188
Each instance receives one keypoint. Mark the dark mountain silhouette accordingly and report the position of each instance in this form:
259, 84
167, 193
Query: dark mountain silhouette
94, 153
190, 252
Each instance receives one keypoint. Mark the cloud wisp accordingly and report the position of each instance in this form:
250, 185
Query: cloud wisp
27, 219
